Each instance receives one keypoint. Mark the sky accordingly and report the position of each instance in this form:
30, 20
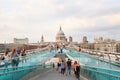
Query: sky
78, 18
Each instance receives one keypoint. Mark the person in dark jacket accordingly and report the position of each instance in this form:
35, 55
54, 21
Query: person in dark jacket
69, 63
77, 72
59, 67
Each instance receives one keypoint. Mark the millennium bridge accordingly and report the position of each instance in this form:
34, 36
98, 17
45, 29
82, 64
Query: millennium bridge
38, 65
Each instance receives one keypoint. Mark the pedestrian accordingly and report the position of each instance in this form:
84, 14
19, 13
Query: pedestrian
6, 59
68, 70
18, 51
62, 67
15, 58
59, 67
61, 50
78, 71
53, 65
23, 55
74, 66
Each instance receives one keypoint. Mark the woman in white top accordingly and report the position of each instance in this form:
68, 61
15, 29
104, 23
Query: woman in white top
6, 59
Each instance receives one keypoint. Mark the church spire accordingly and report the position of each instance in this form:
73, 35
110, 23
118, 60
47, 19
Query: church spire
42, 38
60, 28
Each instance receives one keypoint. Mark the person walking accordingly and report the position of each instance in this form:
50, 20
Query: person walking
58, 67
15, 58
74, 66
68, 71
53, 65
62, 67
76, 70
23, 55
6, 59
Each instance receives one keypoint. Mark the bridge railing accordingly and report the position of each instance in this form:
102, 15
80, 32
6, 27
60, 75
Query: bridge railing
39, 70
72, 48
27, 60
93, 73
24, 67
19, 73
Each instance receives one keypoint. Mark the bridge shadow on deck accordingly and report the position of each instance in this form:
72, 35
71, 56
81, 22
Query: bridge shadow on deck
53, 75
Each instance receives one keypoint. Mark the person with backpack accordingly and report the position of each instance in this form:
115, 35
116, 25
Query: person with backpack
68, 71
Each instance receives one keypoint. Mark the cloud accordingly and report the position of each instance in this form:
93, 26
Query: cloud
32, 18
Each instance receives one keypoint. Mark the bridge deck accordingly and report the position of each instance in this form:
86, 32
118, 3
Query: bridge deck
54, 75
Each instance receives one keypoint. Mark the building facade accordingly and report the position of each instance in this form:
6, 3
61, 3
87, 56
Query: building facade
21, 41
2, 47
70, 39
107, 45
85, 45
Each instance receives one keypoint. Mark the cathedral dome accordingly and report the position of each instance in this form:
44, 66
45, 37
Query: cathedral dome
60, 32
60, 37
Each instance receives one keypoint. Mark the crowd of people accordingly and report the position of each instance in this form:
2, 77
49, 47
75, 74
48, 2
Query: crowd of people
65, 67
13, 57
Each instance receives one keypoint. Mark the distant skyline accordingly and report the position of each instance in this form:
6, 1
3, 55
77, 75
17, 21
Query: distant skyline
78, 18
